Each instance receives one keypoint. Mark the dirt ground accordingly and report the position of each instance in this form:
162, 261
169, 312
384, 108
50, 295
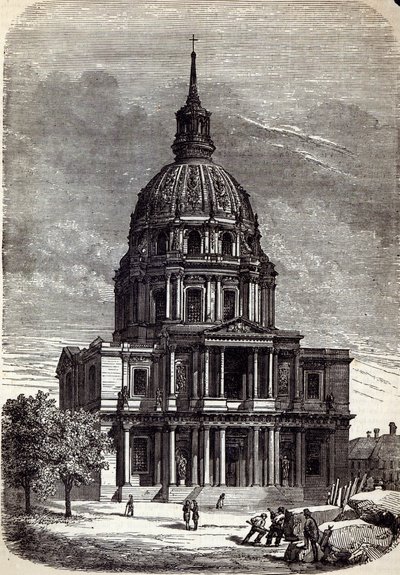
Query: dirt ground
99, 537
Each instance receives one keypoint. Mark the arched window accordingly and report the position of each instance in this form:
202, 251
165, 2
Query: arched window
92, 381
194, 305
159, 305
194, 243
227, 244
229, 304
161, 244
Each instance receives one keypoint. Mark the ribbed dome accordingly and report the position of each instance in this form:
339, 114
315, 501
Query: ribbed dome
193, 189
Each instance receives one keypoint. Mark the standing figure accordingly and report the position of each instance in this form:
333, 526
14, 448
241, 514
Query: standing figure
129, 507
195, 514
285, 470
276, 529
288, 527
257, 526
221, 501
311, 533
186, 514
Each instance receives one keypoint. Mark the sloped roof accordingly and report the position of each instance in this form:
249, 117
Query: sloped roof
361, 447
387, 447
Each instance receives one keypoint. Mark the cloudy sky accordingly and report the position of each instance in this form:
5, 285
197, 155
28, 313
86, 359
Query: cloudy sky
304, 99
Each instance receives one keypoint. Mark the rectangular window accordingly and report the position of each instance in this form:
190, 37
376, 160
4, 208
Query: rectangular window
313, 385
229, 305
140, 463
139, 382
193, 303
313, 458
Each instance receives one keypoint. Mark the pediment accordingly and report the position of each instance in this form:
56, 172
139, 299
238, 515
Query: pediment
239, 325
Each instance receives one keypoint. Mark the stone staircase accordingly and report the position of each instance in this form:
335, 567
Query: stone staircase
110, 493
179, 494
250, 497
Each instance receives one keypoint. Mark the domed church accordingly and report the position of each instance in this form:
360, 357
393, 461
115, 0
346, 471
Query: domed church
199, 388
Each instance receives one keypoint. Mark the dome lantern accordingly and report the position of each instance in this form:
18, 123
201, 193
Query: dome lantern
192, 138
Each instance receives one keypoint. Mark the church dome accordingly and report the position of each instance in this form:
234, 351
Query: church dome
193, 188
193, 185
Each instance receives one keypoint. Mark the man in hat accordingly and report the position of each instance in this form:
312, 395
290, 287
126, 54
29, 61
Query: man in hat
276, 529
311, 533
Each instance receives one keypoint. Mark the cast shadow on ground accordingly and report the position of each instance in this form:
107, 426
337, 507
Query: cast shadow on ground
174, 525
236, 539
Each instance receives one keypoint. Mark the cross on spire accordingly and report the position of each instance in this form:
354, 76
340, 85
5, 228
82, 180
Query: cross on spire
193, 40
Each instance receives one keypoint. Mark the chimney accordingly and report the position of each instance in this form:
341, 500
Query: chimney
376, 432
368, 434
392, 428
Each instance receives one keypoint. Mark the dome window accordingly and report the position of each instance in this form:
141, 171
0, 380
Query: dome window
229, 304
161, 244
194, 311
227, 244
194, 243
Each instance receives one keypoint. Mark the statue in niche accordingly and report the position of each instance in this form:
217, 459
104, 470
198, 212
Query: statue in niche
285, 464
159, 398
180, 378
182, 468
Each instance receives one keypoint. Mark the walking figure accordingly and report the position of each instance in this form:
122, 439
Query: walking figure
129, 507
195, 514
221, 501
186, 514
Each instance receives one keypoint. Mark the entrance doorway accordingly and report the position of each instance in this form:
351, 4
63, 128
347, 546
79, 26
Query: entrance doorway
232, 465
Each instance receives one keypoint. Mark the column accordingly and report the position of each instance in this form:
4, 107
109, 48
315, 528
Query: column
331, 456
195, 371
222, 372
147, 317
206, 371
255, 373
206, 241
265, 458
271, 373
195, 456
125, 370
127, 455
222, 456
218, 300
178, 296
303, 456
172, 370
251, 304
157, 456
264, 305
208, 299
168, 297
206, 457
298, 478
277, 458
250, 457
256, 302
297, 377
271, 456
172, 465
275, 376
256, 462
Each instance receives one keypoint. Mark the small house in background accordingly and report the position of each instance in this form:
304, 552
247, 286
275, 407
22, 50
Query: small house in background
378, 456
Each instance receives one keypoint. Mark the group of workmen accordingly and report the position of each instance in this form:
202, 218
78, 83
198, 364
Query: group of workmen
283, 526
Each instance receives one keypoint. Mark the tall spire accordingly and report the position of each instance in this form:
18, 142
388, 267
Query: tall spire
193, 96
192, 138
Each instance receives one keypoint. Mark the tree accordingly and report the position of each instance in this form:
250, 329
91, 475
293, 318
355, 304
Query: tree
25, 427
76, 448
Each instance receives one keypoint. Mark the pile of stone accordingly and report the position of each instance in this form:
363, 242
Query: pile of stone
366, 528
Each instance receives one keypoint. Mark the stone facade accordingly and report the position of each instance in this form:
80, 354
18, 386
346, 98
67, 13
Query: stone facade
199, 387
